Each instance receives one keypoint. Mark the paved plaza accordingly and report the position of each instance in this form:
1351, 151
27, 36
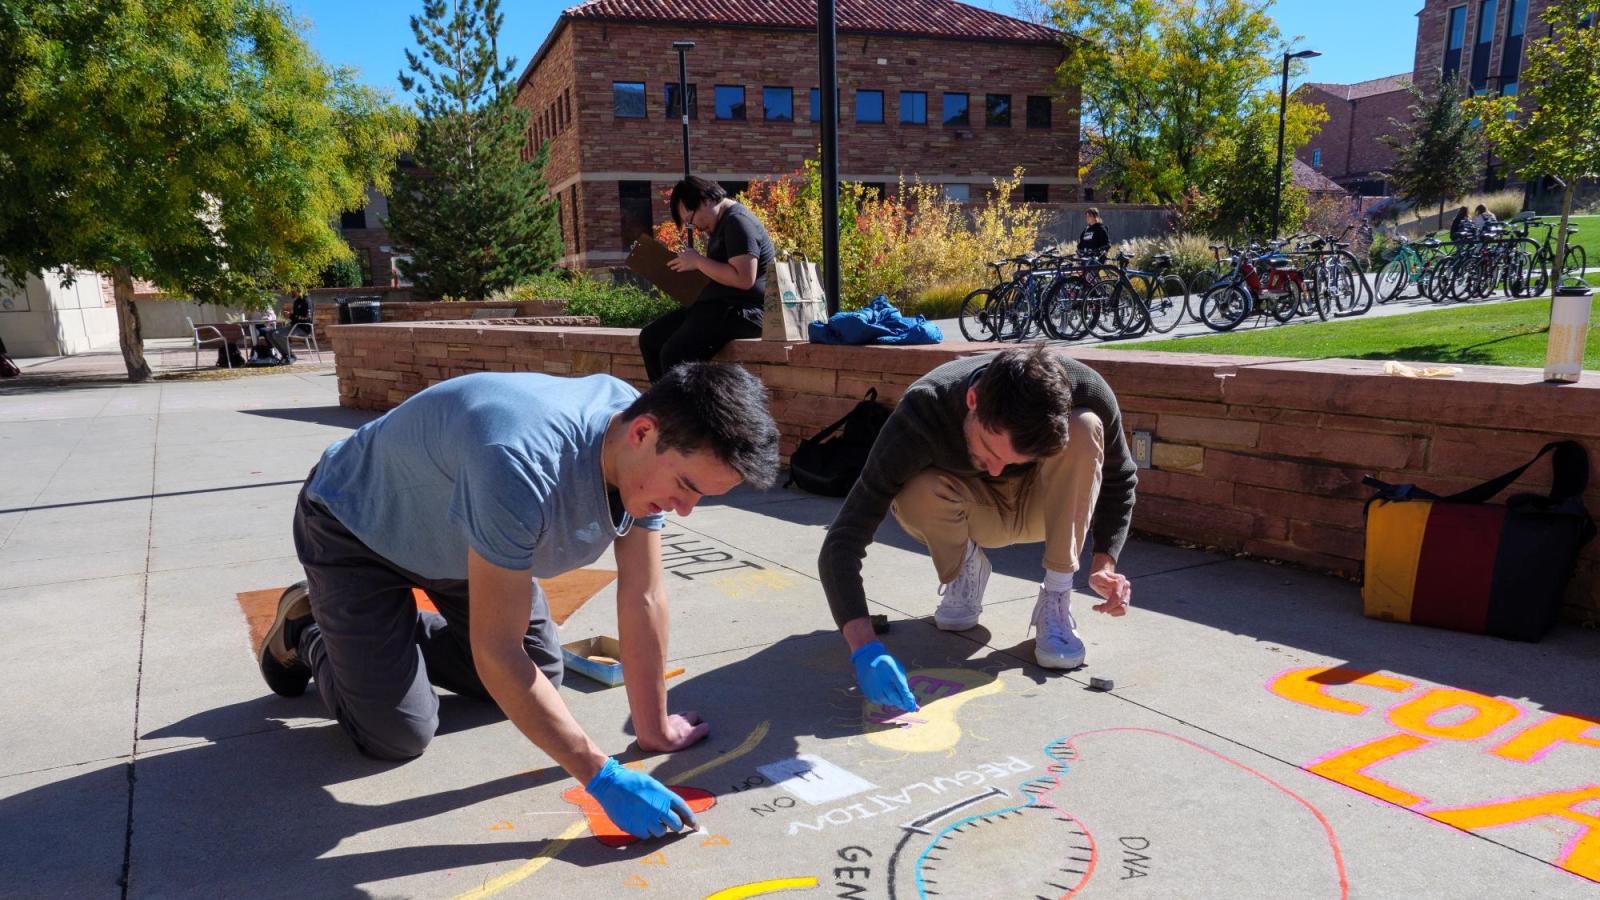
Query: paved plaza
1262, 738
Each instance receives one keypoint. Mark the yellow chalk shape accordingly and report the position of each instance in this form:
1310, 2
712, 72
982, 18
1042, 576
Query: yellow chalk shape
655, 859
635, 881
603, 660
757, 888
551, 851
753, 583
502, 825
933, 728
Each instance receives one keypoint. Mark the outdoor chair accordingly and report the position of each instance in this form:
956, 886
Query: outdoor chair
307, 338
195, 332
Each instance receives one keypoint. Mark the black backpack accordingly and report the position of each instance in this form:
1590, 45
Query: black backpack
830, 462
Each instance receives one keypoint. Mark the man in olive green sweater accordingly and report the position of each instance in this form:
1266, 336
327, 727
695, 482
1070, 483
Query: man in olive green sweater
1024, 446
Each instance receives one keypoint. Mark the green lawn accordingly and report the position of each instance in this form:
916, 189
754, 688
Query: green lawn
1589, 236
1496, 334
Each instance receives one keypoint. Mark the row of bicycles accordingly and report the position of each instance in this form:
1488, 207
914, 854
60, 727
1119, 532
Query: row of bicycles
1070, 297
1503, 259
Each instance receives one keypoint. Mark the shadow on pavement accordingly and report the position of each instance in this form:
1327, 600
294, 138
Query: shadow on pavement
319, 415
1278, 605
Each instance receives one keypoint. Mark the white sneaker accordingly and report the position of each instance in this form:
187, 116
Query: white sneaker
963, 598
1057, 645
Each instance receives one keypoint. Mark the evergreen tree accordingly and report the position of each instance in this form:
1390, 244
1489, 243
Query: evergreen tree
473, 215
1439, 150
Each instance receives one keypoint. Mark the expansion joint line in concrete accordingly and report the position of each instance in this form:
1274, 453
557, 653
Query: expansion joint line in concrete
138, 683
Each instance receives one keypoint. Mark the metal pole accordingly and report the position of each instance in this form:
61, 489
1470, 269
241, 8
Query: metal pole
1277, 182
683, 48
828, 92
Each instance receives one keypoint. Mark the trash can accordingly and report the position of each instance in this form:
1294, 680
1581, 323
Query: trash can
366, 311
1569, 329
343, 303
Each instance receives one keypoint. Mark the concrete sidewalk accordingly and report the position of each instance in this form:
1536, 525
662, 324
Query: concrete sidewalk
165, 356
1262, 739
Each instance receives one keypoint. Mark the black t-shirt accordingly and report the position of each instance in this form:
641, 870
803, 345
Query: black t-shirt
738, 233
1095, 239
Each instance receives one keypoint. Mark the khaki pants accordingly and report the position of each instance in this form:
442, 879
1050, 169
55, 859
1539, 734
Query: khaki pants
1051, 503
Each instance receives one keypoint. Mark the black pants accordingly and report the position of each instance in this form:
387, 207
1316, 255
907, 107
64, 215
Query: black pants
694, 333
374, 657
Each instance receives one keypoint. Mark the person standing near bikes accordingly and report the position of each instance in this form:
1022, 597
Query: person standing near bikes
1020, 447
1095, 240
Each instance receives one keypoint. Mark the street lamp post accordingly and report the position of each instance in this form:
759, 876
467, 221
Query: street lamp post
828, 94
1283, 108
683, 47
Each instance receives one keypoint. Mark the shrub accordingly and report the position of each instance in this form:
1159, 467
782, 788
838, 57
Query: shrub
1504, 205
1191, 254
913, 244
343, 272
616, 305
942, 301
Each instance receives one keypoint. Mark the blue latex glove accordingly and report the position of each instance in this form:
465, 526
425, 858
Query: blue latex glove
881, 678
639, 804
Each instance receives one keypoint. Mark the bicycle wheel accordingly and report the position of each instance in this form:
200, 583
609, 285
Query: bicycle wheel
976, 318
1063, 309
1224, 307
1283, 307
1312, 303
1168, 304
1577, 260
1392, 278
1002, 312
1103, 299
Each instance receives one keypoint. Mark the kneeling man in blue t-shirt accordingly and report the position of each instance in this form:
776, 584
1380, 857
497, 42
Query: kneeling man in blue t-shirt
472, 490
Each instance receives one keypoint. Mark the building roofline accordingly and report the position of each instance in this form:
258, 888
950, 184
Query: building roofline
1059, 41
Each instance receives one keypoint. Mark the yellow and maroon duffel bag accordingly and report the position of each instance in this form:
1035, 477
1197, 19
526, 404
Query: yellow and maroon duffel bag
1462, 563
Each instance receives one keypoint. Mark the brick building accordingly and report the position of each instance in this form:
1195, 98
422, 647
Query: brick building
1349, 150
933, 89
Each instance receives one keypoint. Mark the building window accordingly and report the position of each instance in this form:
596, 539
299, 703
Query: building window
676, 112
1480, 49
730, 102
958, 193
1316, 158
353, 218
869, 107
735, 188
634, 199
1455, 36
955, 111
1038, 112
997, 110
1510, 89
577, 223
913, 108
777, 104
1036, 193
627, 99
1511, 53
566, 102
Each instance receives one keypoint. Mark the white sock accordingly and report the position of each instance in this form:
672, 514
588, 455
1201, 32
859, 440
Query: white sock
1057, 581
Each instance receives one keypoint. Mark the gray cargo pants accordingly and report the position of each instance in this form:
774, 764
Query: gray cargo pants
374, 656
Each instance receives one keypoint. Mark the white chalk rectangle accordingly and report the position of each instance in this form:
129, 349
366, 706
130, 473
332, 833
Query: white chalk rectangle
814, 779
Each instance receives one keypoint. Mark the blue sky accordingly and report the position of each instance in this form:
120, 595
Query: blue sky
1359, 39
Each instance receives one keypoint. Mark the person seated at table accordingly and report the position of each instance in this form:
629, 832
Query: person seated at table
276, 336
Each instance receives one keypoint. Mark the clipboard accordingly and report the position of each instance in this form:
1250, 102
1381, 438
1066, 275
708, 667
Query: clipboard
648, 259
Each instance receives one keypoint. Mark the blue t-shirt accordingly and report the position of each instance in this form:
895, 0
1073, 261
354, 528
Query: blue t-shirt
505, 463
